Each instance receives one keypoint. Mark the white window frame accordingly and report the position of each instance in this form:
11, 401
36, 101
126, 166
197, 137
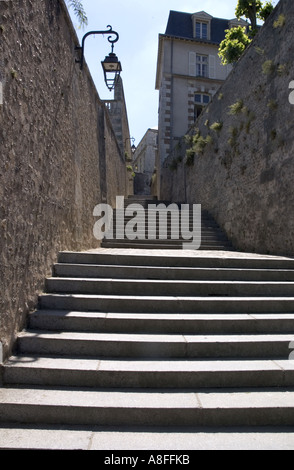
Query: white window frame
202, 17
202, 24
211, 65
202, 65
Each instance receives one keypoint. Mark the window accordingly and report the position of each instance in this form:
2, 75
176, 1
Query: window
202, 25
201, 30
201, 65
201, 100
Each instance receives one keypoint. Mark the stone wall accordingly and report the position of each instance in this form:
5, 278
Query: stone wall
242, 169
119, 119
59, 153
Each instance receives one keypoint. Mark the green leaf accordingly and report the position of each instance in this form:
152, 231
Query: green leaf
234, 44
79, 11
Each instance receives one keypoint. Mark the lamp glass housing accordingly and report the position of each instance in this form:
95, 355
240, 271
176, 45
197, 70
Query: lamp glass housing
112, 69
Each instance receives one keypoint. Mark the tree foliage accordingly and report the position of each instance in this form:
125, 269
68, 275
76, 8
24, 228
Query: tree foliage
237, 39
253, 10
79, 11
249, 9
234, 44
265, 11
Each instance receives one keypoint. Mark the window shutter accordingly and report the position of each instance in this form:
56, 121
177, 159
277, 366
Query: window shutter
211, 66
192, 64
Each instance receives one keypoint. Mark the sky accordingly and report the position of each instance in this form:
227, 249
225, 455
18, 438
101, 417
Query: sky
138, 24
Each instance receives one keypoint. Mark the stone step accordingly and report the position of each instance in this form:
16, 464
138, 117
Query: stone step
184, 218
213, 240
164, 338
153, 408
144, 237
181, 258
168, 241
168, 245
145, 233
163, 206
156, 346
144, 373
206, 232
143, 224
162, 245
144, 211
166, 304
15, 436
192, 288
159, 207
128, 212
62, 320
143, 203
169, 273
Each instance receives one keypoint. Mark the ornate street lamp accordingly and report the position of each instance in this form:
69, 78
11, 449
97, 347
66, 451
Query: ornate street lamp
133, 147
111, 65
112, 69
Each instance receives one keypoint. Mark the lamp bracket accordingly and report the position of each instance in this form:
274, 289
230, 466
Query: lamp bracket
110, 39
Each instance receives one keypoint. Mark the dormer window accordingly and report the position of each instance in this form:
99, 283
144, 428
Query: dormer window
201, 25
201, 30
234, 23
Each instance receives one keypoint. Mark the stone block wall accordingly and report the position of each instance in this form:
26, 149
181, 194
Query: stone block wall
242, 170
119, 119
59, 153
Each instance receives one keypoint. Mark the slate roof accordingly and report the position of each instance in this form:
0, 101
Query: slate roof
180, 25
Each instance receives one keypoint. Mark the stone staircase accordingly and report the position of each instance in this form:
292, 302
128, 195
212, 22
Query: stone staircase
212, 237
154, 343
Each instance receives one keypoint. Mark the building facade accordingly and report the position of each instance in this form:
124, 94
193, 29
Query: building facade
144, 160
189, 72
